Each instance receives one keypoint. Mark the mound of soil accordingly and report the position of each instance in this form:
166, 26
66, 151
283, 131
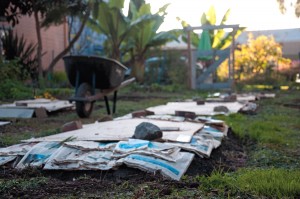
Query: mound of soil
228, 157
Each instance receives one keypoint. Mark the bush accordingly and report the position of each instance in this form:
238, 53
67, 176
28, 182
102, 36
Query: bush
13, 89
9, 70
170, 68
16, 47
55, 80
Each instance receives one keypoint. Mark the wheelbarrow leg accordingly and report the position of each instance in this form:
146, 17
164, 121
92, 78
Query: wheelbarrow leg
115, 101
107, 105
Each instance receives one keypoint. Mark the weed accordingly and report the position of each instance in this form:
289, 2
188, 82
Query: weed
22, 184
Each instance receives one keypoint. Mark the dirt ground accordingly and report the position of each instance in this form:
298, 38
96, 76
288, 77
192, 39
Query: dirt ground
228, 157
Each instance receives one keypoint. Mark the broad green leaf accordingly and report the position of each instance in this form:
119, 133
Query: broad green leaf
225, 17
133, 10
145, 9
184, 24
194, 39
119, 4
218, 38
161, 38
211, 15
162, 10
204, 19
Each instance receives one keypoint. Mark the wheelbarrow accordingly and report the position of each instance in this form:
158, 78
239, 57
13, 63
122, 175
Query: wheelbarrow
94, 78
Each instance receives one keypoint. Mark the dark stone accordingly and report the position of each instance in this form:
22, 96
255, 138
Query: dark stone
71, 126
147, 131
223, 109
141, 113
186, 114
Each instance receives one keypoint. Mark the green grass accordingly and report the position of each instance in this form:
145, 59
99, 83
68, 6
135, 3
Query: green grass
254, 183
10, 139
274, 124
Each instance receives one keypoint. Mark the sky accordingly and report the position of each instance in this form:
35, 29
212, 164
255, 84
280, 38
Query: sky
253, 14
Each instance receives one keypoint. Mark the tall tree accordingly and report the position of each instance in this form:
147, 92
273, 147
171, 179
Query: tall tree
258, 58
46, 13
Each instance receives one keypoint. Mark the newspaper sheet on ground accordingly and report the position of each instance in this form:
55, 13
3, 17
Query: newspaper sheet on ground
4, 159
160, 150
91, 145
38, 154
215, 133
172, 170
10, 153
17, 149
68, 158
198, 145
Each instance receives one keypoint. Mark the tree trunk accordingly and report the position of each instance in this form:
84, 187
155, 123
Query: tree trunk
72, 42
138, 70
39, 45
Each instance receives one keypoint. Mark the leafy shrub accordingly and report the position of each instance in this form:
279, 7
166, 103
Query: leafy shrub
169, 68
57, 79
13, 89
260, 61
9, 70
16, 47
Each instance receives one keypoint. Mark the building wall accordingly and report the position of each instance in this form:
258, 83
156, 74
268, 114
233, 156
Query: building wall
54, 39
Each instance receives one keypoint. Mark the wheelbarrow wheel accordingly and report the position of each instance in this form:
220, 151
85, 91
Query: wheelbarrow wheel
84, 109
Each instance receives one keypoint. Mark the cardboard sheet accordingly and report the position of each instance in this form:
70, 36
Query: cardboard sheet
2, 123
123, 130
15, 112
49, 105
205, 109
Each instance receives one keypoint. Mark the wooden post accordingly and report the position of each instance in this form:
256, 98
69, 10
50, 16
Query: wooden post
190, 64
233, 59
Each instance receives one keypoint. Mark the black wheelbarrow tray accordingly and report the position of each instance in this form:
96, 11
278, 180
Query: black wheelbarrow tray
89, 74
